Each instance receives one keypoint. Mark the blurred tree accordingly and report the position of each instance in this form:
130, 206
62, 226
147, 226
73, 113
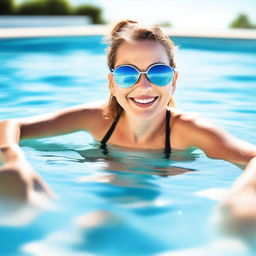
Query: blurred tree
165, 24
94, 12
242, 21
32, 7
45, 7
7, 7
54, 7
58, 7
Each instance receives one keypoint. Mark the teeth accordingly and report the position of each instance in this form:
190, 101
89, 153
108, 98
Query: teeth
144, 101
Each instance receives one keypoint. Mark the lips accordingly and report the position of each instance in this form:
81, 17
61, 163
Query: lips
144, 101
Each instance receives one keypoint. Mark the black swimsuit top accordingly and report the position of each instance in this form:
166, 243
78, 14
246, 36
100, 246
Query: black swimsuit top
168, 149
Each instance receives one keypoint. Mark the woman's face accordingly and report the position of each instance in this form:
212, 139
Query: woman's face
143, 99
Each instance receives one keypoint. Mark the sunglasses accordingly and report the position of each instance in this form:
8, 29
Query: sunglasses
128, 75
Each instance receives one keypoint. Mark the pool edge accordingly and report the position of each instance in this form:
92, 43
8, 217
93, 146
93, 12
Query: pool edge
103, 30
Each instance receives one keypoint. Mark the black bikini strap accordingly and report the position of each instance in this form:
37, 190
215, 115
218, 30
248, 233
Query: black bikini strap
108, 135
168, 149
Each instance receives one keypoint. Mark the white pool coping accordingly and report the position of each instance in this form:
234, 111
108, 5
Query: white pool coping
104, 29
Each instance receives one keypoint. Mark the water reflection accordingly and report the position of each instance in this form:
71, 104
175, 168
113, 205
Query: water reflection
125, 200
95, 233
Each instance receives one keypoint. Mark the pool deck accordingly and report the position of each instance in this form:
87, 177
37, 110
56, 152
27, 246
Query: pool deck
103, 30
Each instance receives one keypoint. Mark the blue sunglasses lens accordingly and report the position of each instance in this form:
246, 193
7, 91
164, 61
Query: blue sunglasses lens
126, 76
160, 75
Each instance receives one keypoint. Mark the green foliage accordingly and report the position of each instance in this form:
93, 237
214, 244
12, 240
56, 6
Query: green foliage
32, 7
242, 21
165, 24
44, 7
51, 7
7, 7
58, 7
94, 12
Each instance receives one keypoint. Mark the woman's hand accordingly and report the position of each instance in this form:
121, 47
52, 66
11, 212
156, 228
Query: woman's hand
19, 183
241, 207
237, 215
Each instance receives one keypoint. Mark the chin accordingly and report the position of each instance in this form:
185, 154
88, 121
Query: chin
145, 114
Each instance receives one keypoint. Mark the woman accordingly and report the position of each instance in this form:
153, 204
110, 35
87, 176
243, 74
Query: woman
139, 114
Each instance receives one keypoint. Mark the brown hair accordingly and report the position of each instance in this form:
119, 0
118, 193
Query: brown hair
130, 31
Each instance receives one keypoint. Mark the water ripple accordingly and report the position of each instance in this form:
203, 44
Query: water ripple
242, 78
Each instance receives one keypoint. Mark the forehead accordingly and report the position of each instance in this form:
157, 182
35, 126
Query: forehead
142, 54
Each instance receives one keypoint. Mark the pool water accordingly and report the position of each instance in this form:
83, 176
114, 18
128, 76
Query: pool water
129, 202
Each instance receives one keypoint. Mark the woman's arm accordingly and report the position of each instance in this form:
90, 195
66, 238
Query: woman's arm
217, 143
238, 209
81, 117
214, 141
17, 178
236, 214
248, 179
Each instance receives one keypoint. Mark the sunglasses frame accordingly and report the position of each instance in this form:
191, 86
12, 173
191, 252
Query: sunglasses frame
112, 71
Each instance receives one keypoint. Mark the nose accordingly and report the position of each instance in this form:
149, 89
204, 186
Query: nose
143, 83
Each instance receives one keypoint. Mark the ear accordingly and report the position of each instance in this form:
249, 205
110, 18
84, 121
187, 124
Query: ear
111, 83
175, 77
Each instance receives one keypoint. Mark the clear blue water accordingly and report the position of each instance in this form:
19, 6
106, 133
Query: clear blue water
130, 203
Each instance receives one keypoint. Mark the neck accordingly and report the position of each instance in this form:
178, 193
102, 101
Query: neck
142, 130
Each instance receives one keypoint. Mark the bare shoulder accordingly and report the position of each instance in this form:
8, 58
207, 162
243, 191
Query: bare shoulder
96, 118
195, 130
192, 128
189, 119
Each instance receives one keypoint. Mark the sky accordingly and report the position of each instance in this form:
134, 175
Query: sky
187, 14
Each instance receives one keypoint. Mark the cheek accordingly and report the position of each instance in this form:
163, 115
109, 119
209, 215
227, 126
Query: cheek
167, 91
120, 96
114, 89
112, 85
118, 92
172, 88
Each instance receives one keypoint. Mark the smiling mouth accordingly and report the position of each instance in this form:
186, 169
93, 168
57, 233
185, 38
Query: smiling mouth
144, 102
